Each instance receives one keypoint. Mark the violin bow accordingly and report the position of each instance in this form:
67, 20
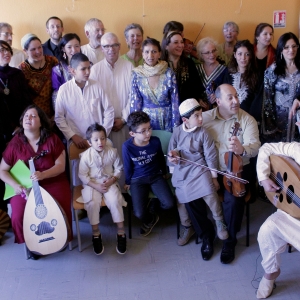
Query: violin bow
211, 169
199, 33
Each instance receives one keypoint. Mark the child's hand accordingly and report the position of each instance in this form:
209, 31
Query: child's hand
216, 183
126, 187
173, 157
110, 181
102, 187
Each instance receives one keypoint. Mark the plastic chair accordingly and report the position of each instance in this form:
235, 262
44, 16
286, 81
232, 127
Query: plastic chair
73, 153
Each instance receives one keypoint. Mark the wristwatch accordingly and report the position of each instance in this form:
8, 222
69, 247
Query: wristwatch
123, 120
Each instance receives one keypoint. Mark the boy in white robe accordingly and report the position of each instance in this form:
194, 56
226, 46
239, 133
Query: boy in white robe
100, 168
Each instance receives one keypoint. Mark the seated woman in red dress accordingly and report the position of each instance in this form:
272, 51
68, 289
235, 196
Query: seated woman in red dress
33, 137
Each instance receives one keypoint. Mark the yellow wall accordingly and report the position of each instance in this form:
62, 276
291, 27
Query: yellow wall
30, 16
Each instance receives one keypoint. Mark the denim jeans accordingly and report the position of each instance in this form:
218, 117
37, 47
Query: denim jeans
140, 188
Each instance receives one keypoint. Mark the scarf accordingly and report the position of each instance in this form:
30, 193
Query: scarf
150, 71
270, 55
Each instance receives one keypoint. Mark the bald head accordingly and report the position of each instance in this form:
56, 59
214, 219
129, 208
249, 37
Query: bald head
110, 47
227, 100
108, 36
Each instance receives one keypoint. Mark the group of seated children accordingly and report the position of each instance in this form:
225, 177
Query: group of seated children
145, 168
100, 166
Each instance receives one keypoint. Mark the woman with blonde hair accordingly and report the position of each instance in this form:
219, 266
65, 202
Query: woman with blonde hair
211, 72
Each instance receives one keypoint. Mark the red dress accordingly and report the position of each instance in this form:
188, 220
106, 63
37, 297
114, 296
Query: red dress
58, 187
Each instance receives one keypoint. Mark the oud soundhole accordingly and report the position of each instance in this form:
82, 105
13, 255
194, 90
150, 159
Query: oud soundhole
285, 176
289, 194
280, 198
41, 211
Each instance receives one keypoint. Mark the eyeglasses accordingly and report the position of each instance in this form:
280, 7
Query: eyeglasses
101, 30
209, 52
4, 50
113, 46
229, 31
145, 131
7, 34
291, 47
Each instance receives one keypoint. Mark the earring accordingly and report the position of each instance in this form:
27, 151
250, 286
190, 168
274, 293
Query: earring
64, 55
281, 55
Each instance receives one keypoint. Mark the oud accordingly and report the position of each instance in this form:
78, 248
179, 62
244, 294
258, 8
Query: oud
285, 172
44, 225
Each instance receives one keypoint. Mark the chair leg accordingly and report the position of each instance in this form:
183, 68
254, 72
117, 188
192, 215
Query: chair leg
70, 246
129, 209
178, 225
247, 223
290, 248
78, 231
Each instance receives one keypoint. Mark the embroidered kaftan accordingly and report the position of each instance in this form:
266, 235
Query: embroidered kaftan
279, 94
161, 103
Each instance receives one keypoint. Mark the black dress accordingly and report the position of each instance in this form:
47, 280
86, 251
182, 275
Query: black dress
12, 103
188, 79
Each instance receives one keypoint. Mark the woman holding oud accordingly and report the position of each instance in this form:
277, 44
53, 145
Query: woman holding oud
34, 136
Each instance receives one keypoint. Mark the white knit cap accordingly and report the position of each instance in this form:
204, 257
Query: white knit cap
25, 38
188, 105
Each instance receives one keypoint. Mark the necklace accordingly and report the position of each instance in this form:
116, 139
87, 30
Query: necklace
6, 89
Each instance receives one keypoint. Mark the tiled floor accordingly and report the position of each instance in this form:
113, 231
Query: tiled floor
154, 268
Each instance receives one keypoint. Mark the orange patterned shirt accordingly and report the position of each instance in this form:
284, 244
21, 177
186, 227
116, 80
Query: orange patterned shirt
40, 81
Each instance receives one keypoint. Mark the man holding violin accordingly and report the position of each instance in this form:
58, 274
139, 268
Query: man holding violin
236, 137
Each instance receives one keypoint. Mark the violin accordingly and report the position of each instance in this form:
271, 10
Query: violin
190, 49
234, 165
190, 46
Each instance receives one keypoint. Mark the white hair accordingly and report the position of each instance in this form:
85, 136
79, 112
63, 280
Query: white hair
90, 23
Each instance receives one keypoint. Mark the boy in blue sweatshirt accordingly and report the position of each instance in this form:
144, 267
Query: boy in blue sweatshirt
145, 169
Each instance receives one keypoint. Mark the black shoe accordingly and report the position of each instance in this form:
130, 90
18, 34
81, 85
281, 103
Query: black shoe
97, 244
227, 255
207, 249
121, 244
147, 228
33, 256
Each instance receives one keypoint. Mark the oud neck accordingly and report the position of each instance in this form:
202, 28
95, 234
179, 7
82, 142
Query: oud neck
35, 185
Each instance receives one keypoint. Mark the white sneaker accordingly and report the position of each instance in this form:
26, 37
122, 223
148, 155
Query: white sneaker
222, 230
185, 235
